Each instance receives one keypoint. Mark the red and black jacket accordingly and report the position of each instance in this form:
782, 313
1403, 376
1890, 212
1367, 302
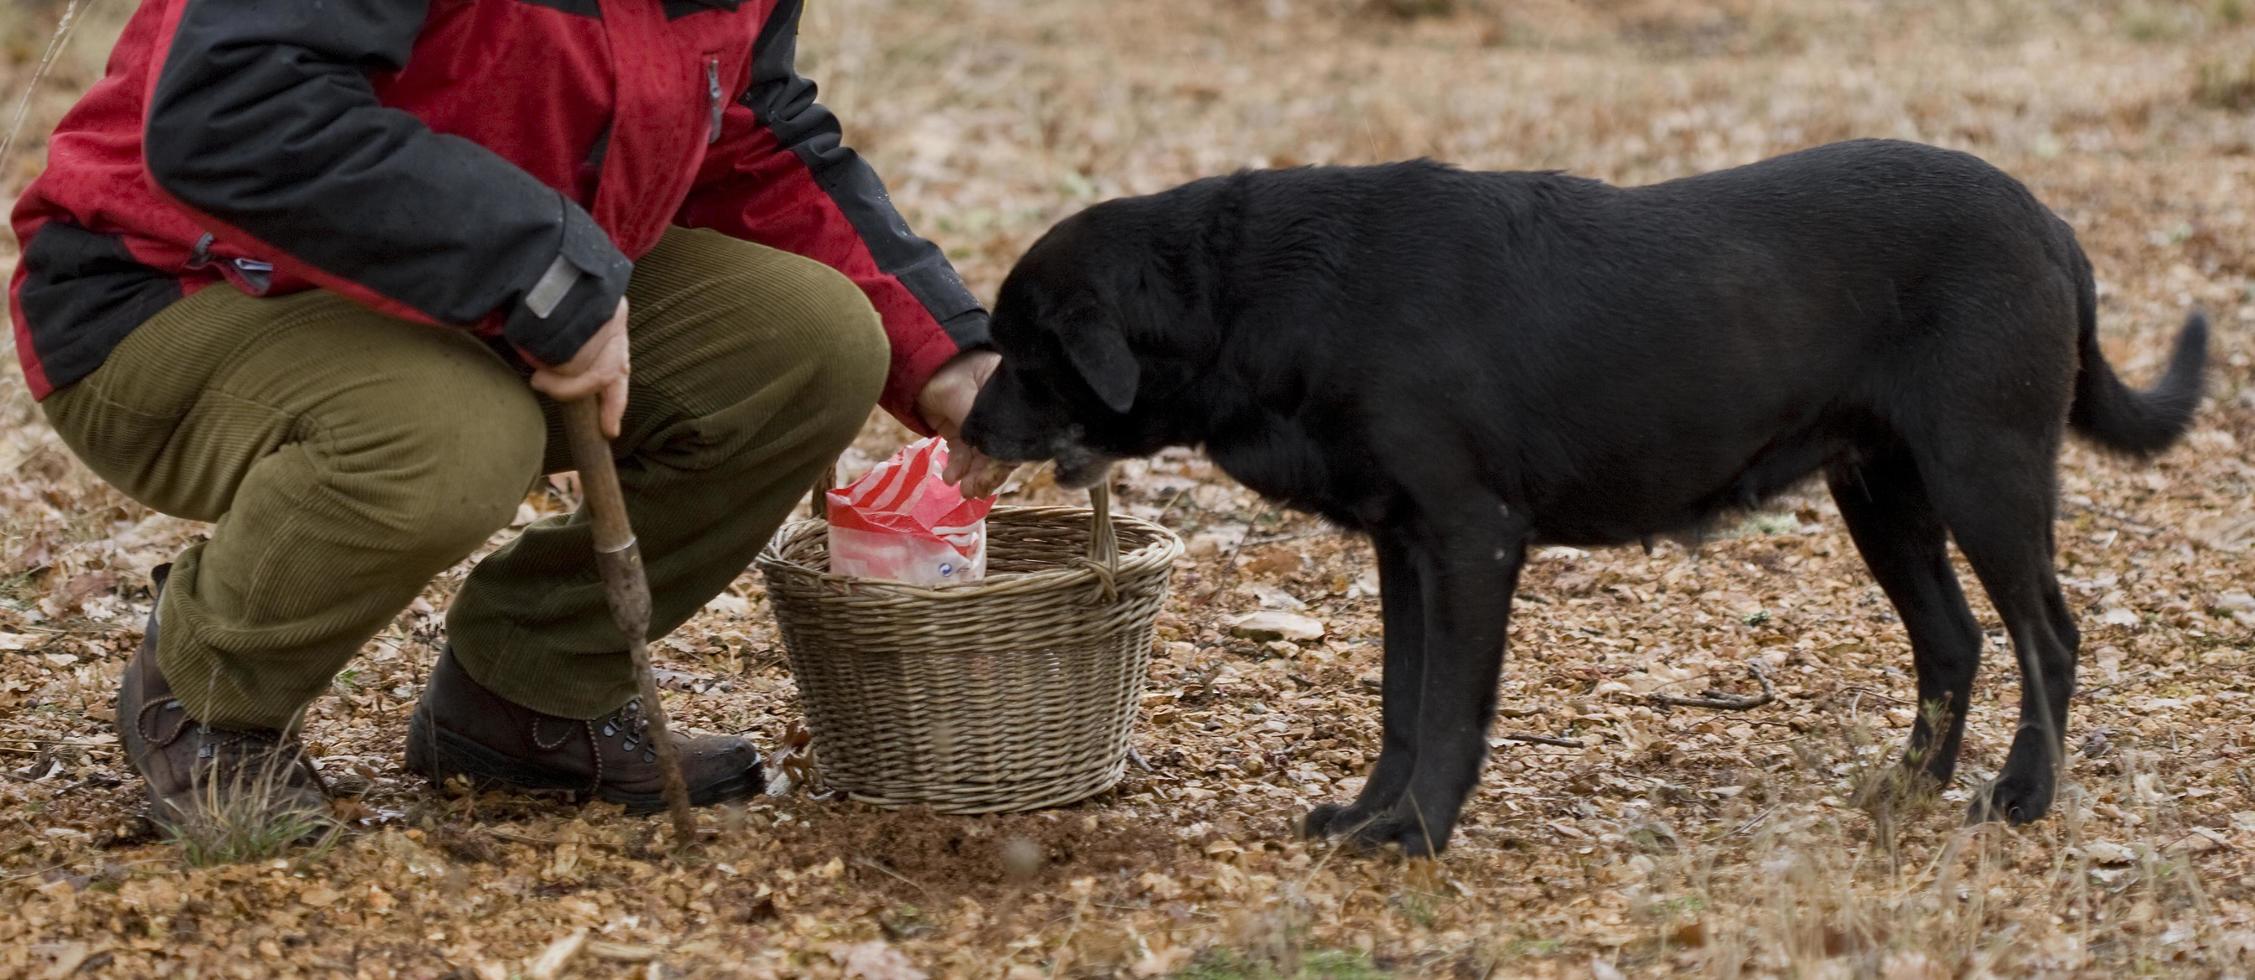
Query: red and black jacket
489, 164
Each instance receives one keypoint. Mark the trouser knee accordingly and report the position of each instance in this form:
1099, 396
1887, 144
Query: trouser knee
455, 480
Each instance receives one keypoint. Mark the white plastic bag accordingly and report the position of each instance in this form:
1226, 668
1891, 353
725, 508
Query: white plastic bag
901, 523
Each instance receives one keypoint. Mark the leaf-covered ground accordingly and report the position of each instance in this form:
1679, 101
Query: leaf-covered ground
1654, 840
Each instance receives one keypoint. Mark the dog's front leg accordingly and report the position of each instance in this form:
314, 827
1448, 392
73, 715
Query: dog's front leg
1468, 566
1401, 603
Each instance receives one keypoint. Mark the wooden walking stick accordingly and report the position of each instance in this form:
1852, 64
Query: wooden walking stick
627, 590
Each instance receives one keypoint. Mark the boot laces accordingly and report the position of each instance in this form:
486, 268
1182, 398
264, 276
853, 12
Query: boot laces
632, 728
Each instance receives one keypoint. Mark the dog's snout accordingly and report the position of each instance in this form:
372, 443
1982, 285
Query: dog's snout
990, 430
975, 432
1007, 424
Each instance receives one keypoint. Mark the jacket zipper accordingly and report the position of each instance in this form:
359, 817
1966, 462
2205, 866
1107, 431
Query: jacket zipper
256, 274
718, 105
200, 256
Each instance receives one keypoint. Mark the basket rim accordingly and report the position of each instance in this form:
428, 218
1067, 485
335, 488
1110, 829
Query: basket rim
1158, 554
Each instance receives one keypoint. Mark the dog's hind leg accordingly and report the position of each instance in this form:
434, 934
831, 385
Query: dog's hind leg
1998, 497
1401, 603
1904, 543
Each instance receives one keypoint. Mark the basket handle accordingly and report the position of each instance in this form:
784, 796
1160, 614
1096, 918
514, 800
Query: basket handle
1103, 541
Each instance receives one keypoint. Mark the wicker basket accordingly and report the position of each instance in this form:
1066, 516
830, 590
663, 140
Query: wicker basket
1011, 694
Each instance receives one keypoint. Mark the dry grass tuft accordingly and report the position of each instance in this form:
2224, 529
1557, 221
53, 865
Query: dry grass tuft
1901, 891
253, 816
2226, 83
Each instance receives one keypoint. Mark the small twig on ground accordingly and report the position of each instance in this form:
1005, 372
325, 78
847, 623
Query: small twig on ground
1540, 739
1065, 943
1168, 507
1751, 823
1725, 702
33, 874
1281, 538
1868, 692
1229, 561
890, 873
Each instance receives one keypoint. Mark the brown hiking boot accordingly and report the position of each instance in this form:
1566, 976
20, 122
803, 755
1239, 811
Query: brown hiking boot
462, 729
200, 775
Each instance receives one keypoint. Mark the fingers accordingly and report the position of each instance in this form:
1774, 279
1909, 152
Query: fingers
614, 393
611, 361
983, 364
987, 478
603, 348
947, 398
564, 387
974, 474
614, 407
959, 460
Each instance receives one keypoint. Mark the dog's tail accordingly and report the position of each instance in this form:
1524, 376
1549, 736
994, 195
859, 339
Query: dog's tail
2126, 420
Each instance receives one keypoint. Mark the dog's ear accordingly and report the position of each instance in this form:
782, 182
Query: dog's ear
1099, 351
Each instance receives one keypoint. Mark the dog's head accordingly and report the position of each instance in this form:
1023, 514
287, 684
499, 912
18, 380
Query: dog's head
1096, 344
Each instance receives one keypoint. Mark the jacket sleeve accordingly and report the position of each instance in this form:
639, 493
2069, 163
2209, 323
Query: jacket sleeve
781, 175
262, 120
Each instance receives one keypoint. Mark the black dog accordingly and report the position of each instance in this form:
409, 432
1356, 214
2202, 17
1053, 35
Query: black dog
1463, 364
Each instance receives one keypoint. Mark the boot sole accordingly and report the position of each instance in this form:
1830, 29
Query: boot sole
437, 754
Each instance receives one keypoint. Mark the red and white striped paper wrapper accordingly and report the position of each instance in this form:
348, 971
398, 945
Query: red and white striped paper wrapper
901, 523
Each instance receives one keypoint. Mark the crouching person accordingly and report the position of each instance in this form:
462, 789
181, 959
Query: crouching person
290, 269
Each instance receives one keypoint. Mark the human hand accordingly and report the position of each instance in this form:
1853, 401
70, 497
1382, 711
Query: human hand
945, 402
599, 370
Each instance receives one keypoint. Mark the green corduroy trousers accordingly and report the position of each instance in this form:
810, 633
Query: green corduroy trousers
345, 458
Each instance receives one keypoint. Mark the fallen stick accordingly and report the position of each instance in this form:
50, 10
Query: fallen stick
1725, 702
1540, 740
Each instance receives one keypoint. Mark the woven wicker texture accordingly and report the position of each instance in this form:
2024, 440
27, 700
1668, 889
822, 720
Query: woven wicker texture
1015, 693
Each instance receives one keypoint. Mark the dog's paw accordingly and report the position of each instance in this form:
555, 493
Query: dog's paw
2013, 798
2023, 789
1331, 820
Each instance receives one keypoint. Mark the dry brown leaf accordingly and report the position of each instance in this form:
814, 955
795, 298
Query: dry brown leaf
559, 954
1277, 625
876, 960
622, 952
